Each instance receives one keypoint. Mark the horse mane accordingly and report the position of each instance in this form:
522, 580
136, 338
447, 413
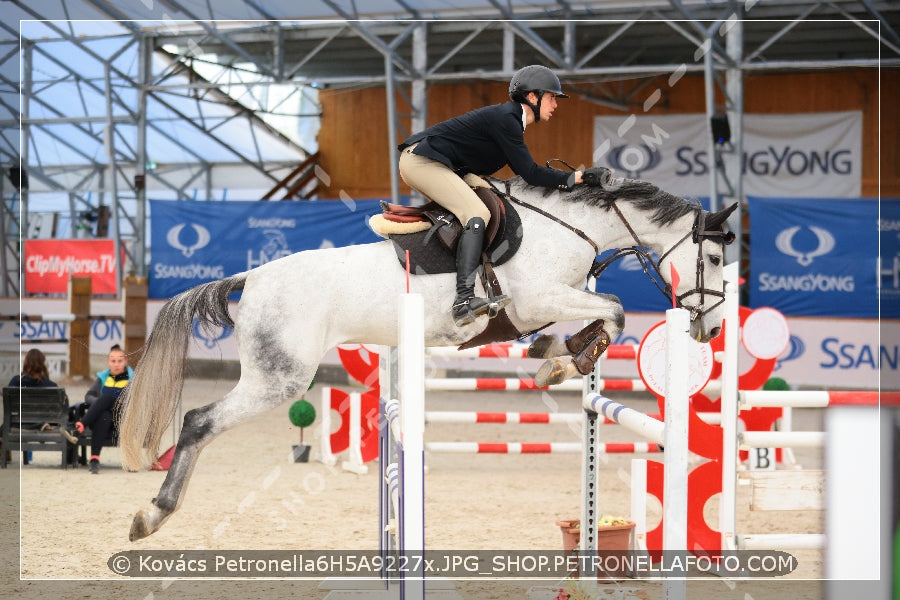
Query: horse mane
666, 207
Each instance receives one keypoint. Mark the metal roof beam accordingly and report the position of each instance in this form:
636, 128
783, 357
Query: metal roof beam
225, 99
885, 26
707, 33
192, 122
203, 23
462, 44
603, 45
536, 41
779, 34
309, 55
114, 13
373, 40
867, 29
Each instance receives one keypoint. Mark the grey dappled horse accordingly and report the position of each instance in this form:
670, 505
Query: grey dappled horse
293, 310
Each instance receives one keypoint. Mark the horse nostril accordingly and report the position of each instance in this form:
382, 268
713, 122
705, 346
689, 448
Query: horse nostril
714, 332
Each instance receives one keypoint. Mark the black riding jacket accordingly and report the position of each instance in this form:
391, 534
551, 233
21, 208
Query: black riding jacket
484, 141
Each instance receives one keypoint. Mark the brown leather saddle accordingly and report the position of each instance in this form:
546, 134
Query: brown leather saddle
433, 250
446, 226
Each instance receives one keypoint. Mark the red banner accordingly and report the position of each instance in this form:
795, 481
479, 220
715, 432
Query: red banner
48, 264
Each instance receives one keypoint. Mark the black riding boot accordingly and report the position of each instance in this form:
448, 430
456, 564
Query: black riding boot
467, 307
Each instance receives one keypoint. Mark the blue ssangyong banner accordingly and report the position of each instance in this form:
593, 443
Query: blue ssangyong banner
819, 257
195, 242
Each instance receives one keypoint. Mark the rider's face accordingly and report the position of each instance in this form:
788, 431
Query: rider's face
548, 105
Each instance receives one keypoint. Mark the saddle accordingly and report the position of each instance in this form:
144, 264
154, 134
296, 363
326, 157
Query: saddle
442, 222
431, 232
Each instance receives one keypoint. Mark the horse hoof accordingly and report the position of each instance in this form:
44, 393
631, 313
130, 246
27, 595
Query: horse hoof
551, 372
540, 347
140, 527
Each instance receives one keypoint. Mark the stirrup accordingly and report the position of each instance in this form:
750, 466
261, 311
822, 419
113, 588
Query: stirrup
466, 311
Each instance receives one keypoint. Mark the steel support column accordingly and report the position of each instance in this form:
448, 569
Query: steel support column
725, 176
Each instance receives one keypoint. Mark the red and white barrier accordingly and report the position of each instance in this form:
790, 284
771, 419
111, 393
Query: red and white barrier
850, 479
537, 447
473, 384
815, 398
501, 417
519, 350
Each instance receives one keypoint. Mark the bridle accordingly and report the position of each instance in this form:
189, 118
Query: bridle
698, 234
641, 251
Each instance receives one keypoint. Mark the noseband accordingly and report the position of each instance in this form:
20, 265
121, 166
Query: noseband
698, 234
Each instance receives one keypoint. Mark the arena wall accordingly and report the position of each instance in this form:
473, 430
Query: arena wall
353, 139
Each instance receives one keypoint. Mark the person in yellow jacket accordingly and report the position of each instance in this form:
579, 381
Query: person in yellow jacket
101, 401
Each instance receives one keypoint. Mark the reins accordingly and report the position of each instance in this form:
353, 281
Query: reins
640, 251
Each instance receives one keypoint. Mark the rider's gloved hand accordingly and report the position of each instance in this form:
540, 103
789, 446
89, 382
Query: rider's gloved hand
596, 176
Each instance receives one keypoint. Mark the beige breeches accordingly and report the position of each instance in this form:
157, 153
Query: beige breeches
439, 183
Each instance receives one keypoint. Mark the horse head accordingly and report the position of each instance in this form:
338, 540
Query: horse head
688, 240
697, 260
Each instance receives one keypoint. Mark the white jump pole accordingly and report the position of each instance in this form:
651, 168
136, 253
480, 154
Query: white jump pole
729, 403
852, 488
633, 420
675, 436
326, 456
354, 462
411, 372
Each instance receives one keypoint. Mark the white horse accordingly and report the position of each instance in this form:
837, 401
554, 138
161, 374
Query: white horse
293, 310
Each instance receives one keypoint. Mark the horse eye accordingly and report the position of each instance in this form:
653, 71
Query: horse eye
715, 260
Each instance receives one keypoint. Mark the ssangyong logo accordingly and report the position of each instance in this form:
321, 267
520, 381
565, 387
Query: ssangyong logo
210, 335
785, 244
633, 159
174, 238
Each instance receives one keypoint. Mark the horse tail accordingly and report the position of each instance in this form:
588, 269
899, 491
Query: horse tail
149, 401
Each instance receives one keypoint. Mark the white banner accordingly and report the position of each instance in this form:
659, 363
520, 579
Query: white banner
821, 353
811, 155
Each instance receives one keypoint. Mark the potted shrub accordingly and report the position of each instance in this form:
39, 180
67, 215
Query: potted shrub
302, 414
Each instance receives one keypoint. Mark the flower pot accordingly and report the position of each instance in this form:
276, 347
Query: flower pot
612, 540
301, 453
571, 533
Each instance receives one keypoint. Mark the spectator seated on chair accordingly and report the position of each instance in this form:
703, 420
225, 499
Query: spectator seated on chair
34, 374
101, 404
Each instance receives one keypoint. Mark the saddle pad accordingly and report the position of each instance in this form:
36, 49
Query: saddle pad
432, 257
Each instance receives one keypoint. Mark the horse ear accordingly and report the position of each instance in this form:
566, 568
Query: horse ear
717, 220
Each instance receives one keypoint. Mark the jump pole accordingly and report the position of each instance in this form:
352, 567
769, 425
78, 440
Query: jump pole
673, 434
411, 386
729, 403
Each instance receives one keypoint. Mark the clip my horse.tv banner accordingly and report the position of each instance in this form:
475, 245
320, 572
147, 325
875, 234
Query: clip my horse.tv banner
195, 242
820, 257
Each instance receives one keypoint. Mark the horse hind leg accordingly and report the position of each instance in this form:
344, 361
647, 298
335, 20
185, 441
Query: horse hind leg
586, 347
200, 427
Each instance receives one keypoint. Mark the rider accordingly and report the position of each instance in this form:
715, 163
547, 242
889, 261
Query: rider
444, 161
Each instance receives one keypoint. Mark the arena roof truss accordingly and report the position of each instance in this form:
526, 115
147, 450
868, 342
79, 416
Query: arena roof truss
192, 99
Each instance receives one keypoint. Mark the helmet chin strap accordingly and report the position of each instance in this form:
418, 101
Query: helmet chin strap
535, 108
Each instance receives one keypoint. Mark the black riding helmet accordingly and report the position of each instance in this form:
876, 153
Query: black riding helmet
534, 78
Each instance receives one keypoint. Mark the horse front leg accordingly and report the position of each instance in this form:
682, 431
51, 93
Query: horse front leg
550, 346
586, 347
